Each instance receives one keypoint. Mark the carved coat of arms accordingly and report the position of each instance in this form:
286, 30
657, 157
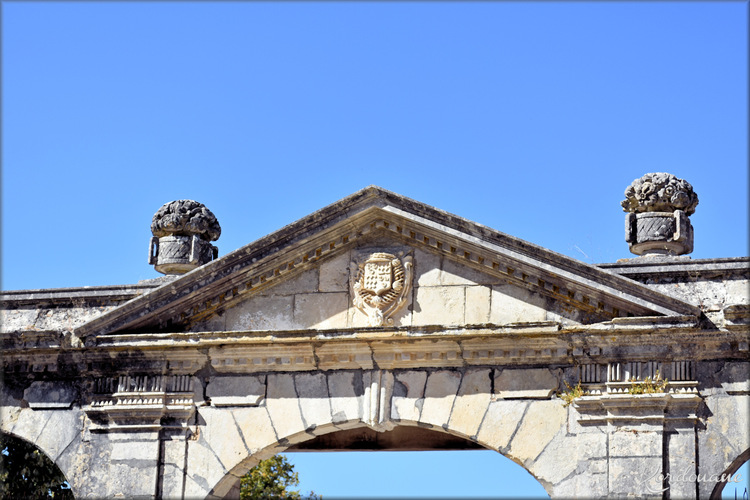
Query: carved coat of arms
382, 286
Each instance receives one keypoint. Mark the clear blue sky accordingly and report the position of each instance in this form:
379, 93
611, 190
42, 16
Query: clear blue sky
529, 117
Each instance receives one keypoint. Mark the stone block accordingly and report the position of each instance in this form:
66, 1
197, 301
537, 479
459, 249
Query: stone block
16, 320
334, 274
256, 428
438, 306
204, 468
262, 313
313, 400
500, 423
171, 480
681, 449
477, 305
131, 479
581, 486
542, 421
439, 395
471, 403
8, 417
304, 282
174, 462
590, 447
558, 460
321, 310
408, 395
48, 395
31, 423
625, 443
512, 304
283, 405
641, 475
196, 486
135, 450
736, 291
222, 434
214, 323
456, 273
427, 270
62, 428
236, 391
735, 376
537, 383
346, 391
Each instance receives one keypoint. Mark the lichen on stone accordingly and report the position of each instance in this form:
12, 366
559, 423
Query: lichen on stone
660, 192
185, 218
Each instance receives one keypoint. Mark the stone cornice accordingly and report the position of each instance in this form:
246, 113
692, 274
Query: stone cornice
221, 283
391, 348
643, 268
629, 408
86, 295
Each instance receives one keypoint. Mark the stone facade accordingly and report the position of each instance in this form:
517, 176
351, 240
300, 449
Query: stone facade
381, 323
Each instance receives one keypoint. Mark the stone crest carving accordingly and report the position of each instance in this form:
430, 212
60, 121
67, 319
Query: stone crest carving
658, 206
182, 231
382, 286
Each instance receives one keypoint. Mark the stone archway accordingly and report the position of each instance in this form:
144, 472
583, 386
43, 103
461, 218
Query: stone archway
28, 471
415, 435
728, 476
456, 402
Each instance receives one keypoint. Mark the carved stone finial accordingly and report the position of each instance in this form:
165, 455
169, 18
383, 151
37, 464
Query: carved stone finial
658, 206
382, 286
182, 231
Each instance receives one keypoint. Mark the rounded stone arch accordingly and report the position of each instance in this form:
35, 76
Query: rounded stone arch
227, 487
730, 472
12, 440
298, 407
60, 445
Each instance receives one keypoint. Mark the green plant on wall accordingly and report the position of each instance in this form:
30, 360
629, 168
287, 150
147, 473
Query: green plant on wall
571, 393
649, 385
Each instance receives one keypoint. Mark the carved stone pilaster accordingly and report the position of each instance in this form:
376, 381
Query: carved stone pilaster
659, 206
376, 412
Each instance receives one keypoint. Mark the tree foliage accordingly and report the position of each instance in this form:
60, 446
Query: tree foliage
26, 472
272, 479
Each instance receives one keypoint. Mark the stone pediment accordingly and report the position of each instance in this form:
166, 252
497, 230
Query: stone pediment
378, 259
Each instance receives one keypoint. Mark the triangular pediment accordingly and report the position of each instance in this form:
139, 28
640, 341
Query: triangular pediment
459, 273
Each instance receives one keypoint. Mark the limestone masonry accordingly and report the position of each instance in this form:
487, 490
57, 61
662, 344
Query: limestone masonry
381, 323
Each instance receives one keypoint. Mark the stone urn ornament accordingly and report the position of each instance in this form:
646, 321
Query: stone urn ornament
658, 223
183, 230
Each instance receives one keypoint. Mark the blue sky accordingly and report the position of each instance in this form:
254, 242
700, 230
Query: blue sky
529, 117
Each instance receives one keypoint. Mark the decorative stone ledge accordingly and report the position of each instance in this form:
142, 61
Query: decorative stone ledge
41, 395
658, 407
144, 402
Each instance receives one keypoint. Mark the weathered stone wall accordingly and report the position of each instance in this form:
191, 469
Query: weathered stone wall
444, 293
243, 418
714, 285
167, 414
